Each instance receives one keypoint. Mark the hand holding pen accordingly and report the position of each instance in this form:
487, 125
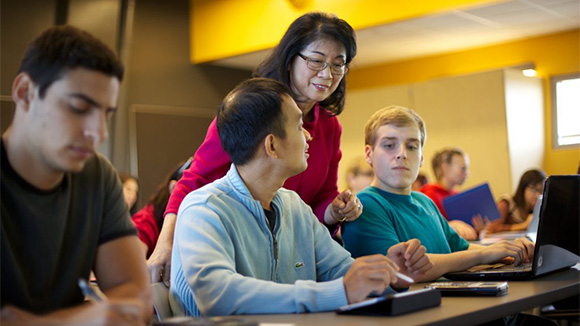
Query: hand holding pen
412, 260
106, 312
88, 292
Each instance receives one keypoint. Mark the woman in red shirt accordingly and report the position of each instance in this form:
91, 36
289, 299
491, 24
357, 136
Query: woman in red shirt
312, 58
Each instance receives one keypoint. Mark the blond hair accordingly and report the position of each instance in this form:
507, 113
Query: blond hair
395, 115
444, 156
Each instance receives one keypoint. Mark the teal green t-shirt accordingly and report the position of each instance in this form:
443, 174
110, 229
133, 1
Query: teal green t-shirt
388, 219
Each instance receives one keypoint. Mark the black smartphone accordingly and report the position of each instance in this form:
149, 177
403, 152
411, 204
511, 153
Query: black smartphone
463, 288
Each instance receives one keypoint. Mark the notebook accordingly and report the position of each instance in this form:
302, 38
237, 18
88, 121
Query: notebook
471, 202
557, 244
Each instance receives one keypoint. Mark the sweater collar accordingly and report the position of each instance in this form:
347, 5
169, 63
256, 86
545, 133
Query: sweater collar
244, 194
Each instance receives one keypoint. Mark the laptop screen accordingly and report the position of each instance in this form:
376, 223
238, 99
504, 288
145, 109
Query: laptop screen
558, 244
532, 231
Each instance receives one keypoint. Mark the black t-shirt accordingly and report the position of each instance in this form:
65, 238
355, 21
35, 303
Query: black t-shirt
271, 216
49, 239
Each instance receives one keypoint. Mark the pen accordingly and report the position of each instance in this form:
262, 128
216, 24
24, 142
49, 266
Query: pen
405, 278
89, 292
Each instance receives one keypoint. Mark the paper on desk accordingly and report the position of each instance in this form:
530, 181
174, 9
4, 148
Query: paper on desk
482, 267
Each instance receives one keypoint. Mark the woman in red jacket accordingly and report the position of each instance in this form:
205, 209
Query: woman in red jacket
312, 58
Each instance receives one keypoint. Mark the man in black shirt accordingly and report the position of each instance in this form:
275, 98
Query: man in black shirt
62, 207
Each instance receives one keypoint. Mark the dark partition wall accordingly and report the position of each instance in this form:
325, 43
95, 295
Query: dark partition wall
183, 96
158, 149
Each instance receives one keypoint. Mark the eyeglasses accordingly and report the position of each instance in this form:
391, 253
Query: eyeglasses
319, 65
537, 190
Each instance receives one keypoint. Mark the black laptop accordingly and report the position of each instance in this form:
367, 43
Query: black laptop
558, 239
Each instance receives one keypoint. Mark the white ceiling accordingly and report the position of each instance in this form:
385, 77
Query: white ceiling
451, 31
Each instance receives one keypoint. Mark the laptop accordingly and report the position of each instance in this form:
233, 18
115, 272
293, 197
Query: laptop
558, 242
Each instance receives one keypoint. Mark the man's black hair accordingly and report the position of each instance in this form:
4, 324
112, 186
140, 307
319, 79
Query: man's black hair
249, 113
61, 48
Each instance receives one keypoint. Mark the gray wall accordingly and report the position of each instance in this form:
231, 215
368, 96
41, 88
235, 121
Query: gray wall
155, 49
161, 74
20, 22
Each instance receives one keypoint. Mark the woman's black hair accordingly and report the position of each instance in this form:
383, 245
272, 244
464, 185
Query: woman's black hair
529, 178
160, 197
303, 31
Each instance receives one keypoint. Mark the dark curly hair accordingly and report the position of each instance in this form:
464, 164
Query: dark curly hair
62, 48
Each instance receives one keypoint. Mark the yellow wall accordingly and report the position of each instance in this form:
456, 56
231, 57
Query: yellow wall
220, 28
553, 55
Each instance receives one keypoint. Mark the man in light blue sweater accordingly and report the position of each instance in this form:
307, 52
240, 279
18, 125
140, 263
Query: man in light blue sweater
245, 245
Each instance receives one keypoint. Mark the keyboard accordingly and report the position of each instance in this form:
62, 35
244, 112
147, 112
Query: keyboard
512, 268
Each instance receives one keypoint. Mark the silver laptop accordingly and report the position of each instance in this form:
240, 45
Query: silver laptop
557, 243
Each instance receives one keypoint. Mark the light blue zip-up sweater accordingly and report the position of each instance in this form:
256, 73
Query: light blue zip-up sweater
226, 261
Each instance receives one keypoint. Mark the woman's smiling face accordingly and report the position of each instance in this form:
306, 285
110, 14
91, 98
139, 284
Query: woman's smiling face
315, 86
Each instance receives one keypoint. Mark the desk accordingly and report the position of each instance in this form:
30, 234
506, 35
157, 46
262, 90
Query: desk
522, 295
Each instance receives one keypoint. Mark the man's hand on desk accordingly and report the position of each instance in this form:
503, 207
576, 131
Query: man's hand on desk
411, 259
368, 274
113, 312
519, 251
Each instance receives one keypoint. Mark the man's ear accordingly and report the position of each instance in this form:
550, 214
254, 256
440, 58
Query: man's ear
22, 90
368, 153
421, 162
270, 146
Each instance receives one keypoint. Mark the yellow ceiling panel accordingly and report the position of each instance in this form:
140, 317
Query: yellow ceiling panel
225, 28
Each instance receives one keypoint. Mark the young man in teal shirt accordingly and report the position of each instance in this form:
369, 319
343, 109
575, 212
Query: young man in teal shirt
394, 138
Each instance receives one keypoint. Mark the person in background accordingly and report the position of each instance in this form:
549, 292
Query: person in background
516, 211
149, 219
312, 59
130, 191
62, 207
394, 138
451, 169
419, 182
245, 245
359, 175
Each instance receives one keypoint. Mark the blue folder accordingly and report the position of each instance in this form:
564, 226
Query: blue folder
477, 200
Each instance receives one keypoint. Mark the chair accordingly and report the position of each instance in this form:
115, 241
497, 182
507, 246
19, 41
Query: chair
160, 294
